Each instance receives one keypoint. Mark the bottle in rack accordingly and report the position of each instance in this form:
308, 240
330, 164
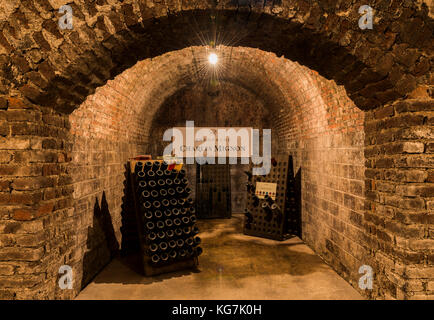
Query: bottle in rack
156, 165
138, 167
147, 166
167, 214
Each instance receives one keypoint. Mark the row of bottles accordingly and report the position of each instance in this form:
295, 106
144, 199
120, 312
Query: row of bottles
168, 214
268, 206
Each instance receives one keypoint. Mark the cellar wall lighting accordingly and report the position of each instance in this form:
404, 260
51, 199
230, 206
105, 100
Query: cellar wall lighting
213, 58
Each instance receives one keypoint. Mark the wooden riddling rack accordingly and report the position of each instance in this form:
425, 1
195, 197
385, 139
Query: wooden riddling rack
213, 192
281, 225
164, 228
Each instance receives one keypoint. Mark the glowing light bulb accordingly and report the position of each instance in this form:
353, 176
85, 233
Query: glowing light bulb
213, 58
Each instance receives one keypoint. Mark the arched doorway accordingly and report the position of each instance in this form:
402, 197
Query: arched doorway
48, 73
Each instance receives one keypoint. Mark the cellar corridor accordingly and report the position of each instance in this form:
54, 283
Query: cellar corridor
233, 266
346, 111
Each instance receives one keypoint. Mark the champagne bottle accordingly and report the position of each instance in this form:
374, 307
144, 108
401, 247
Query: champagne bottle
178, 232
182, 253
177, 222
185, 220
161, 235
168, 213
150, 175
250, 187
147, 205
180, 243
269, 200
148, 166
193, 219
172, 244
180, 191
189, 241
168, 173
194, 230
164, 166
181, 202
184, 182
165, 203
175, 212
156, 165
163, 246
197, 241
170, 234
190, 251
138, 167
155, 259
160, 224
142, 184
176, 182
168, 182
159, 173
158, 214
182, 211
148, 215
186, 230
187, 191
171, 192
168, 223
161, 183
173, 254
163, 193
154, 194
153, 248
164, 257
156, 204
150, 225
152, 236
181, 174
189, 201
141, 176
173, 202
152, 184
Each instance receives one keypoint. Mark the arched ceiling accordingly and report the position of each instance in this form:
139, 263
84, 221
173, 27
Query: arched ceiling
279, 83
60, 68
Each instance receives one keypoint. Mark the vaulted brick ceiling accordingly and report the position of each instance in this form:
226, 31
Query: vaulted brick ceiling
61, 67
139, 92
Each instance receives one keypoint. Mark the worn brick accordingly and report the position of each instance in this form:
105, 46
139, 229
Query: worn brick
21, 254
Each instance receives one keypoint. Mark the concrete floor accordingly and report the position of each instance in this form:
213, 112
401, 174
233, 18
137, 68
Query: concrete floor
233, 266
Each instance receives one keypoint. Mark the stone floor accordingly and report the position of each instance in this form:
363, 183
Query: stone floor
233, 266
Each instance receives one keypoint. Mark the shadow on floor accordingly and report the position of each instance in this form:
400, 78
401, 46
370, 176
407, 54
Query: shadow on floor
227, 254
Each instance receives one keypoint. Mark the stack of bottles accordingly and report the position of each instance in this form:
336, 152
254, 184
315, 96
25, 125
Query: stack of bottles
167, 212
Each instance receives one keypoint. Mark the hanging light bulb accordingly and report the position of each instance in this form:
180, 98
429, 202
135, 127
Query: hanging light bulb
213, 58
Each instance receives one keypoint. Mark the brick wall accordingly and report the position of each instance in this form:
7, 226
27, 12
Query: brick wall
60, 68
62, 176
399, 194
324, 132
105, 133
222, 105
36, 214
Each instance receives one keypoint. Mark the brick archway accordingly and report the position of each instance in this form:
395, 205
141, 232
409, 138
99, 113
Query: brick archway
61, 67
